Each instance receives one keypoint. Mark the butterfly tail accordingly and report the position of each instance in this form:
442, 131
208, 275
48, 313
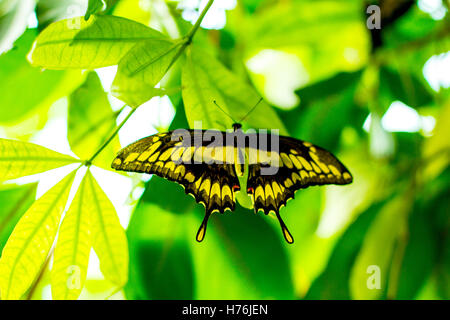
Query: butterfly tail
287, 235
202, 230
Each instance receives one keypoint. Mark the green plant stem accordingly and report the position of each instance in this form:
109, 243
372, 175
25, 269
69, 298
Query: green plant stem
111, 137
194, 29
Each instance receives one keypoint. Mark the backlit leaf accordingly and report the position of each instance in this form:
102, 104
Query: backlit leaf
204, 79
14, 201
19, 159
377, 250
161, 263
42, 87
98, 42
142, 68
31, 240
333, 283
108, 236
91, 121
231, 239
72, 249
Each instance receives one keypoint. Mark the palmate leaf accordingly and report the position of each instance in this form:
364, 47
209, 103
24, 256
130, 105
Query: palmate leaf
108, 236
204, 79
142, 68
72, 248
19, 159
98, 42
91, 120
31, 240
91, 221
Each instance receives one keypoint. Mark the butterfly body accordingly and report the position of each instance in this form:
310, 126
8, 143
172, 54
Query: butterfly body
211, 166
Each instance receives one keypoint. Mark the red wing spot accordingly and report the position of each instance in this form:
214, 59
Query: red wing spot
250, 190
236, 188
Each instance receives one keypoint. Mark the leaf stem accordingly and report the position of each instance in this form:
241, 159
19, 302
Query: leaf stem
194, 29
111, 137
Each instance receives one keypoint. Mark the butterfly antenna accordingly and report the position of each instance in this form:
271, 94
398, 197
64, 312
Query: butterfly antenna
223, 111
251, 110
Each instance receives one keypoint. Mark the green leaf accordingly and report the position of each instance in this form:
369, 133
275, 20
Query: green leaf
19, 159
157, 232
108, 236
28, 246
326, 108
94, 6
43, 88
73, 247
231, 239
14, 201
157, 188
377, 250
142, 68
416, 268
161, 265
426, 253
98, 42
204, 80
91, 121
437, 147
404, 86
333, 282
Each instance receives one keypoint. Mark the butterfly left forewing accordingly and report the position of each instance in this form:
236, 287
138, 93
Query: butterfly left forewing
168, 156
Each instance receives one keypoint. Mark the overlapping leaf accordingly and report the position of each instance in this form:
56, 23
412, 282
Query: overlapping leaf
377, 251
98, 42
18, 159
31, 240
107, 235
164, 231
14, 201
94, 6
205, 80
142, 68
72, 249
91, 121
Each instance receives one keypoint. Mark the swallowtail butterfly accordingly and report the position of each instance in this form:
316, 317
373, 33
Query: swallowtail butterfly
210, 171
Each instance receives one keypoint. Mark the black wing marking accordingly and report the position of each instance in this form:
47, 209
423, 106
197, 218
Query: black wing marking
301, 164
168, 156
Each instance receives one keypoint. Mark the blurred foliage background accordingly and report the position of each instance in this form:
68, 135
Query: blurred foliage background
378, 99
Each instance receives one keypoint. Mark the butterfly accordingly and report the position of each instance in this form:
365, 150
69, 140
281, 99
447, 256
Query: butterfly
211, 164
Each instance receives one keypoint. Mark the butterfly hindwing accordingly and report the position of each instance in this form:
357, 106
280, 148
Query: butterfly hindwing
300, 165
168, 156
